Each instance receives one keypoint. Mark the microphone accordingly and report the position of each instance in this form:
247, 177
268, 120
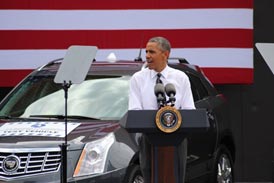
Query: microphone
171, 92
159, 91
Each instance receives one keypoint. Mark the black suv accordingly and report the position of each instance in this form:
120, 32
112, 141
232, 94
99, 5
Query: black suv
32, 128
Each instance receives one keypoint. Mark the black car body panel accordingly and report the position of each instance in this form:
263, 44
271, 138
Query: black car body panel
96, 109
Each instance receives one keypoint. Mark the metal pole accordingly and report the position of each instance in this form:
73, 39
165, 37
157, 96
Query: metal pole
63, 172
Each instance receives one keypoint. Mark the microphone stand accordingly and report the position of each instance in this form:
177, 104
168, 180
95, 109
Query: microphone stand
63, 172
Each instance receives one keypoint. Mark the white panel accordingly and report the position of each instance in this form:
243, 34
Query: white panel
125, 19
267, 51
204, 57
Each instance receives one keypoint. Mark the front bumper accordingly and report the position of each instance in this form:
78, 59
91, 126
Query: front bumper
115, 176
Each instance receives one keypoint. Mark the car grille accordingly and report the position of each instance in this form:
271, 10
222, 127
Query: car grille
22, 163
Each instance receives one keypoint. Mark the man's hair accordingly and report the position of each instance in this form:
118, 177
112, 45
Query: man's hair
163, 43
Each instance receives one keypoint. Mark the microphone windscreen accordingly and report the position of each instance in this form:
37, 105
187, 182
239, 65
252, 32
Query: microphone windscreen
159, 89
170, 89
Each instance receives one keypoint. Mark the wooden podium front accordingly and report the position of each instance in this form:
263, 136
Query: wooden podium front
168, 151
165, 171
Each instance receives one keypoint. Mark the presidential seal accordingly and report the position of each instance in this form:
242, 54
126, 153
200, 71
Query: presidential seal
168, 119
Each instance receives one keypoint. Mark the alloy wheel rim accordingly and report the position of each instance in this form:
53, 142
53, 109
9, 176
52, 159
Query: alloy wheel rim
138, 179
224, 170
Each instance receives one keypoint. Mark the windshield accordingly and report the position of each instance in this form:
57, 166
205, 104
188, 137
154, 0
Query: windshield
101, 97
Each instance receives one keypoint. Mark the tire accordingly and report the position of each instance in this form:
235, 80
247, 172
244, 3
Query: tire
223, 167
134, 175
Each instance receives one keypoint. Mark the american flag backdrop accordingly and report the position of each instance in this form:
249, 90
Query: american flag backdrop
217, 35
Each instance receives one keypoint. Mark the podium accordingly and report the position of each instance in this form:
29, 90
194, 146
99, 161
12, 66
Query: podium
166, 153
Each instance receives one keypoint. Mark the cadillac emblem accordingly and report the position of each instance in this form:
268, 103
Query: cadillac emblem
11, 164
168, 119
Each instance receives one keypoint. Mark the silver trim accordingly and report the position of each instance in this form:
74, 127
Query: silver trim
32, 161
25, 150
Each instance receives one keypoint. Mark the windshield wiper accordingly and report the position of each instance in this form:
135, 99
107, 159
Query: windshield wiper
63, 117
9, 117
5, 117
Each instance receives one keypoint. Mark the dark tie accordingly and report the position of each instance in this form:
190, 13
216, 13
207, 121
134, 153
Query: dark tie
158, 80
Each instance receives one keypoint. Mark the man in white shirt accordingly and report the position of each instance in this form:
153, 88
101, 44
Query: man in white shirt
142, 96
142, 83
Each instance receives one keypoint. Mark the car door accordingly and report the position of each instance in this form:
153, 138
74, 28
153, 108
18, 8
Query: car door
201, 144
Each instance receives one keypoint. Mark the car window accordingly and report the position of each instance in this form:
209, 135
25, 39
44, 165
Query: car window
26, 93
199, 91
99, 96
102, 97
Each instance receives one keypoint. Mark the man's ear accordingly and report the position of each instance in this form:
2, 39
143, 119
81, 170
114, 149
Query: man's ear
166, 53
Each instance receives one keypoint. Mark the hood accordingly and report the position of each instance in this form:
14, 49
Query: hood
49, 133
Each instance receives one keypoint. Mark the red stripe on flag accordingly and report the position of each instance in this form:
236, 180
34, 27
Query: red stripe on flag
105, 39
9, 78
123, 4
229, 75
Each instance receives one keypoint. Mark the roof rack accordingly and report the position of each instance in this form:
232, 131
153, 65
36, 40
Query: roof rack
180, 59
50, 63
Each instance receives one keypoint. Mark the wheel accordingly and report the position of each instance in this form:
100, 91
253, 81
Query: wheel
134, 175
223, 167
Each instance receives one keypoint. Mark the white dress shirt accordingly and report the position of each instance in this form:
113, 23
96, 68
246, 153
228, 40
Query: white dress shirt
142, 83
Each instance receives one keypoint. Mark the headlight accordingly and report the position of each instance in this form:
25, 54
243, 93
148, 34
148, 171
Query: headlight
93, 157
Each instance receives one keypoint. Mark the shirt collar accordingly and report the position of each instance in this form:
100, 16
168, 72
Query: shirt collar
164, 72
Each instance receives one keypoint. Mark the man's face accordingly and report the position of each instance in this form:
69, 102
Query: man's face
156, 58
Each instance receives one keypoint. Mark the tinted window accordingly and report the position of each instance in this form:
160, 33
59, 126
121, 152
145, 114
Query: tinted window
198, 89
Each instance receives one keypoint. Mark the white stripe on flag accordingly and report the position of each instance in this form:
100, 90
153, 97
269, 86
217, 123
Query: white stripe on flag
125, 19
204, 57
